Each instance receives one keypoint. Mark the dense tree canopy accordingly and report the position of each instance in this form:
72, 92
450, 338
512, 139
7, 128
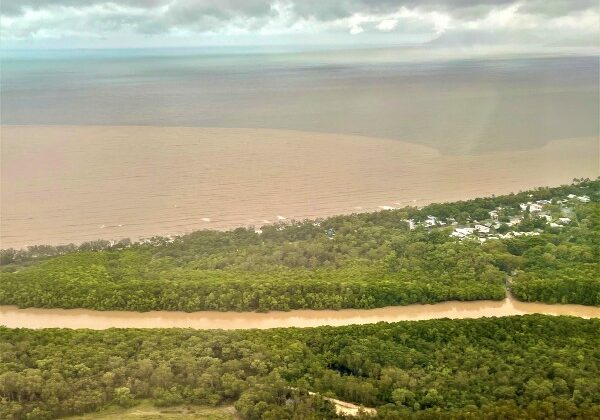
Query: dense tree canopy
565, 267
533, 366
356, 261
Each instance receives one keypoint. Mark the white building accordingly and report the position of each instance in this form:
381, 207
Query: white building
482, 229
534, 208
462, 233
411, 223
522, 234
515, 220
431, 221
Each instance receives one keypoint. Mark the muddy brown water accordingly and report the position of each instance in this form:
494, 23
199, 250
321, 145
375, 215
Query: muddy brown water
13, 317
62, 184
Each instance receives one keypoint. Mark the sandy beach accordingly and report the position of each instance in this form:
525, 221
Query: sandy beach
64, 184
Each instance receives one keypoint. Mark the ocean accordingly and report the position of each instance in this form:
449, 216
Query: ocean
457, 106
134, 143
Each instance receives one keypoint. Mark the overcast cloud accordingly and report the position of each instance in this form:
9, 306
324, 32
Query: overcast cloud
172, 22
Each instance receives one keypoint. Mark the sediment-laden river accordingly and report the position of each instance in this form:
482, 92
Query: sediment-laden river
13, 317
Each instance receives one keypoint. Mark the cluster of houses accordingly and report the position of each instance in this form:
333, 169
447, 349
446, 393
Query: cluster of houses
488, 229
582, 198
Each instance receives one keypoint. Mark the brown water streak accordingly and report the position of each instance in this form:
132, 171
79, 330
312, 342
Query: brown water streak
13, 317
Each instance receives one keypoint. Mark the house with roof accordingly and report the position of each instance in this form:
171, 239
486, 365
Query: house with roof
514, 220
482, 229
462, 233
411, 223
430, 221
533, 207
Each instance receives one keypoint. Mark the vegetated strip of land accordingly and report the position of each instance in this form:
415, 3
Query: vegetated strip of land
547, 240
532, 366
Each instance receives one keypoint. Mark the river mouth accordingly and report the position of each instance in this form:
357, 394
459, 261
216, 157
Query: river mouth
35, 318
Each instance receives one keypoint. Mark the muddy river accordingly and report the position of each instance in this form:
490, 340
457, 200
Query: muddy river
13, 317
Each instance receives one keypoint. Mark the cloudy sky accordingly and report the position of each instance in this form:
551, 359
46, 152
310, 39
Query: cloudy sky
133, 23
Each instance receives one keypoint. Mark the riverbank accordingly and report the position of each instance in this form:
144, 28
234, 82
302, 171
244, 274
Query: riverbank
114, 182
13, 317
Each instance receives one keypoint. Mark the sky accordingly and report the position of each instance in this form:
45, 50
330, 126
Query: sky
186, 23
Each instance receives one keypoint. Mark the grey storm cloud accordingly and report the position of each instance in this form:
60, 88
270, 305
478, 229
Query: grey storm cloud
558, 7
327, 10
322, 10
199, 16
18, 7
190, 11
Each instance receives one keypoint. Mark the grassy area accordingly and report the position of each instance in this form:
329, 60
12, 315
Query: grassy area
145, 410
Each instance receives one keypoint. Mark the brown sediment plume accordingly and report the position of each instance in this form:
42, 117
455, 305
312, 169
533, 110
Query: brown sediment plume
63, 184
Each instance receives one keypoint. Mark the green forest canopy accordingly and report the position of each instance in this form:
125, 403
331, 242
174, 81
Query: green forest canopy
532, 366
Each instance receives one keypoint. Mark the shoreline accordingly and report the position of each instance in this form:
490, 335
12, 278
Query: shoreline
115, 182
13, 317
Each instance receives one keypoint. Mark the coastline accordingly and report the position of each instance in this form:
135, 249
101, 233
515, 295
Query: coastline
111, 182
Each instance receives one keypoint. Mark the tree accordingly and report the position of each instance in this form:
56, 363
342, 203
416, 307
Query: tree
123, 397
